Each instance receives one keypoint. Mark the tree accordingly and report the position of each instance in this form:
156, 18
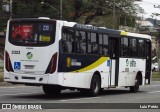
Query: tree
87, 10
83, 11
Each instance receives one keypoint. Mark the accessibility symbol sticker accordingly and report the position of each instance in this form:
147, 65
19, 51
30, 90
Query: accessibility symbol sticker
108, 62
17, 65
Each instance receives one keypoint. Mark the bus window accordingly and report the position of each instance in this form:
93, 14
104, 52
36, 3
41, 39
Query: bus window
105, 45
100, 44
31, 33
133, 48
21, 32
124, 46
81, 42
68, 41
141, 48
89, 42
94, 43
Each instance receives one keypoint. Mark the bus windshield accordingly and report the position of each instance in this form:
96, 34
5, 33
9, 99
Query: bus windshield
32, 33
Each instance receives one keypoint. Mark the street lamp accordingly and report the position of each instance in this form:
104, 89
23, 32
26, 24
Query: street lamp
43, 3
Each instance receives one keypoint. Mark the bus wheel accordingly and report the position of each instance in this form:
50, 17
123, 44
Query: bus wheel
51, 90
95, 86
135, 88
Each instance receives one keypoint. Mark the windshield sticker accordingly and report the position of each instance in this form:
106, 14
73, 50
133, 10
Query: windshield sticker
108, 62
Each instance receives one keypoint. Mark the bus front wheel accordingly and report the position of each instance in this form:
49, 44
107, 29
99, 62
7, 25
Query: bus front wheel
51, 89
135, 88
95, 86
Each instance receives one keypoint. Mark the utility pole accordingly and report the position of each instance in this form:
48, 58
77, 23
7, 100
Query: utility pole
158, 56
10, 3
113, 19
61, 6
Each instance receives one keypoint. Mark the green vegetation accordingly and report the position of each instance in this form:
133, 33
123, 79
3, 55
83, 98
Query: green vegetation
94, 12
156, 76
1, 76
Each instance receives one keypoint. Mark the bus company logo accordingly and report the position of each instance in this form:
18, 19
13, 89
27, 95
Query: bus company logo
131, 63
127, 62
68, 61
29, 55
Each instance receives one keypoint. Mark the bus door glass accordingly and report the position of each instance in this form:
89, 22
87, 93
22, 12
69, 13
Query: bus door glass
148, 61
114, 55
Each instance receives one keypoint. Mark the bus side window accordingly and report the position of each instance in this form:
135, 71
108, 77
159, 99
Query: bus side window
105, 45
94, 43
133, 47
81, 42
124, 46
68, 41
100, 44
89, 42
141, 48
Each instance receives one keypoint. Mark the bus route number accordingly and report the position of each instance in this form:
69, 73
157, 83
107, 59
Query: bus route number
15, 52
45, 27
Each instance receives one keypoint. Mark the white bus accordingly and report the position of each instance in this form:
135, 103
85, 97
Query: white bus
65, 55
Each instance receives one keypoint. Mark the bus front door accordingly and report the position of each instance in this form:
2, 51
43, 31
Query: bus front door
148, 62
114, 56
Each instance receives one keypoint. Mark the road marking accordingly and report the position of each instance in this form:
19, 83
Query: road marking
154, 92
18, 94
151, 85
18, 87
80, 99
15, 87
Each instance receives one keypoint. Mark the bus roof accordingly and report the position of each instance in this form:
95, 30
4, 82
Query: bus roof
91, 28
123, 33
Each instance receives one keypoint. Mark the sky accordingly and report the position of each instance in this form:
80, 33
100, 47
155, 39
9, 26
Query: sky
148, 6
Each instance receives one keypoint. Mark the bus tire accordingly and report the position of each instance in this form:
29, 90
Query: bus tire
135, 88
95, 86
51, 90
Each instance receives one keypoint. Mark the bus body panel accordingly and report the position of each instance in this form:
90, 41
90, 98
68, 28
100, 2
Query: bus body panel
81, 76
128, 69
32, 61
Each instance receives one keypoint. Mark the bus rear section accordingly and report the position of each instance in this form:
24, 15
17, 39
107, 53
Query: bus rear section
30, 51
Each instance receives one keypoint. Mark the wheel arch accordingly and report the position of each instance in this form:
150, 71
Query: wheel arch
139, 73
98, 74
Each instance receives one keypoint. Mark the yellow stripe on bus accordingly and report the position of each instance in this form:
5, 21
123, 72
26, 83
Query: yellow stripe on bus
124, 33
94, 65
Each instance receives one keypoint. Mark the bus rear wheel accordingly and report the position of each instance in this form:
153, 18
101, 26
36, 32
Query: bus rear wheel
135, 88
51, 89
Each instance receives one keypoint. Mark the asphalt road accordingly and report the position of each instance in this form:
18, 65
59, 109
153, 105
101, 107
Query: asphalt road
29, 94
